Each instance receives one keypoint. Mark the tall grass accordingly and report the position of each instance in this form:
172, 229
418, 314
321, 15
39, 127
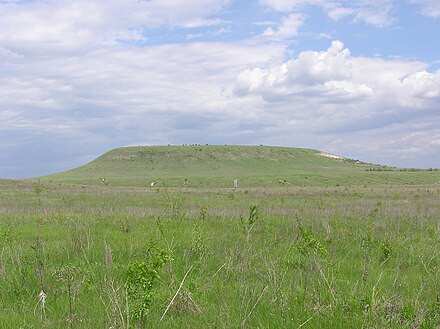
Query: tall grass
262, 258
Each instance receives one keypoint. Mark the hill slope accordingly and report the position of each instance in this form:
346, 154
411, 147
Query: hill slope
218, 166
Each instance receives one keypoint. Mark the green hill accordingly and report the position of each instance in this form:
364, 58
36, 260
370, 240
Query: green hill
219, 166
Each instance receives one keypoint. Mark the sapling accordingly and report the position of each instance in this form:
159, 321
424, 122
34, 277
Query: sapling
198, 241
142, 276
252, 218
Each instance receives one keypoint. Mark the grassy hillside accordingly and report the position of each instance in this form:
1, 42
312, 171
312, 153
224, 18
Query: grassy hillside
218, 166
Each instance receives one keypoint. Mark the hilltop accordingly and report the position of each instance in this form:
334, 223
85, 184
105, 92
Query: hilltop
218, 166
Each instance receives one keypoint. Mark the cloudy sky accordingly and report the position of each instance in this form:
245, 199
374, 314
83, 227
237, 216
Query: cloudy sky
358, 78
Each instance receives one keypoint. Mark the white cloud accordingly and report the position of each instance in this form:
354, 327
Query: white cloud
7, 55
310, 68
335, 71
72, 25
423, 85
430, 8
336, 13
334, 95
284, 5
264, 23
33, 24
435, 141
288, 28
199, 22
125, 84
377, 12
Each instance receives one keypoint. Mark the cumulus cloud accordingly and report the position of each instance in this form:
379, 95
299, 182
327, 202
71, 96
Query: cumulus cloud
332, 93
335, 73
325, 70
376, 13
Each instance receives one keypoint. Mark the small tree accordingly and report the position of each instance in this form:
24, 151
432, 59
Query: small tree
142, 276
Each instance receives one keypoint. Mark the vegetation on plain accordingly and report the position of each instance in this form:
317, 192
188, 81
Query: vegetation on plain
295, 257
317, 242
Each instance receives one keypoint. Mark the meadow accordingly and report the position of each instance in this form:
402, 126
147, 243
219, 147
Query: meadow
347, 256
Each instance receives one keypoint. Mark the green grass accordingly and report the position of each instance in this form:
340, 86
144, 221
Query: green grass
218, 166
306, 241
309, 257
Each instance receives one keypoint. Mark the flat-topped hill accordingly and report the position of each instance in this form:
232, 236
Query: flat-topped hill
219, 166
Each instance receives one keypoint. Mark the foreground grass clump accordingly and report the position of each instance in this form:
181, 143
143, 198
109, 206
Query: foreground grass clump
260, 258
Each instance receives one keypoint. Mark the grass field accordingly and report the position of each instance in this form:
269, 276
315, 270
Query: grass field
353, 245
293, 257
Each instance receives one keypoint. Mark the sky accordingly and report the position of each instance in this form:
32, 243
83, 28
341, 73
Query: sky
356, 78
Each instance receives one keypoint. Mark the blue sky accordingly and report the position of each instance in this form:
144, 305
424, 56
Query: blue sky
355, 78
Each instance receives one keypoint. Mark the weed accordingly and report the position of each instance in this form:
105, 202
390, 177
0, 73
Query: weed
80, 238
38, 249
251, 219
175, 203
142, 276
68, 274
254, 214
309, 243
203, 214
38, 188
160, 226
367, 244
198, 241
367, 240
386, 250
124, 224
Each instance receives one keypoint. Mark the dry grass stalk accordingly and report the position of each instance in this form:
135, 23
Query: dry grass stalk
248, 316
42, 301
108, 257
177, 292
